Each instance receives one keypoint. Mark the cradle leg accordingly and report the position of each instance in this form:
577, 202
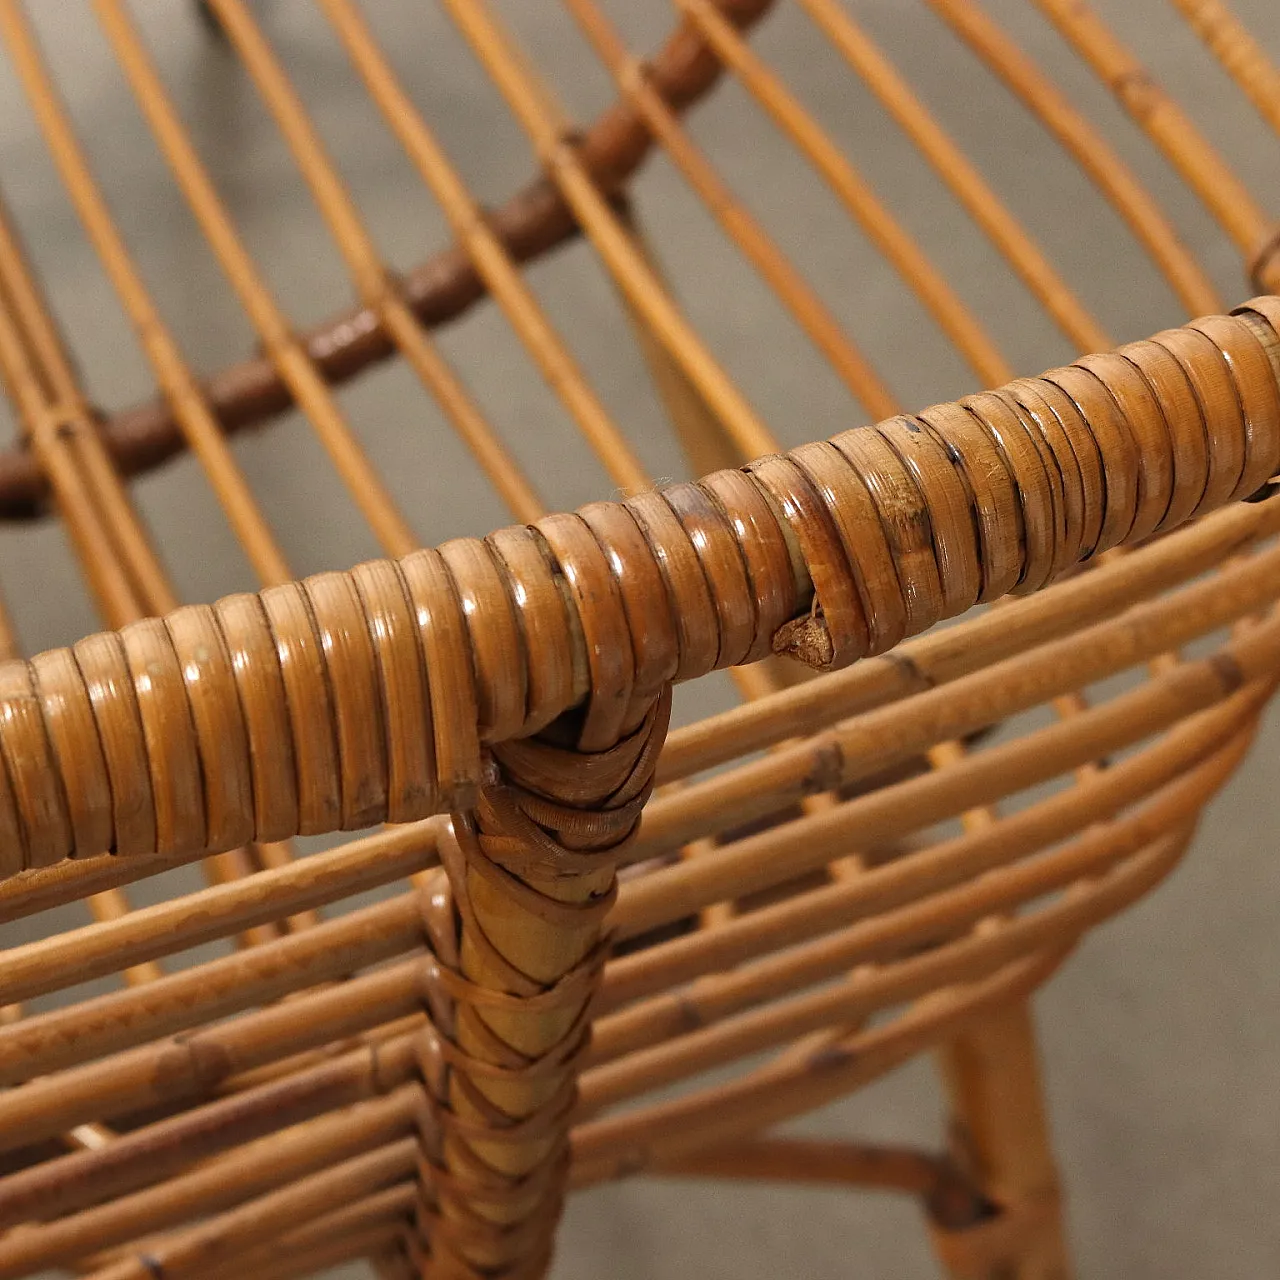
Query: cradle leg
516, 936
1000, 1133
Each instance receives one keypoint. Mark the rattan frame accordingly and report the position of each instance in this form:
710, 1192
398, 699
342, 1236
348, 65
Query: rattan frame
422, 1081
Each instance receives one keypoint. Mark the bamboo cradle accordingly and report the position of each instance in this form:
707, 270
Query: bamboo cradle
578, 913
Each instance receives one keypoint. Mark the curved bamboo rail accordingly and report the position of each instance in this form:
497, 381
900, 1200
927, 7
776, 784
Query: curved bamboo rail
349, 699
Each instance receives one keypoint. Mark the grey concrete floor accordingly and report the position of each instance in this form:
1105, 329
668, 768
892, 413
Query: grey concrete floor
1161, 1036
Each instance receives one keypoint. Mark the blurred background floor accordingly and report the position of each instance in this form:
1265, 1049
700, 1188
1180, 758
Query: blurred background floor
1161, 1036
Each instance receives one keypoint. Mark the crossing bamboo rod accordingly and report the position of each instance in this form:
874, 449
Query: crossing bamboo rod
485, 250
372, 279
767, 1096
933, 868
552, 140
976, 780
201, 1250
814, 317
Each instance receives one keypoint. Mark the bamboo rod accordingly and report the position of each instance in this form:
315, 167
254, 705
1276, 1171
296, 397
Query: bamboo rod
953, 317
492, 262
550, 137
751, 863
533, 222
808, 310
202, 1251
369, 274
322, 1257
121, 1019
854, 748
1241, 55
809, 1160
960, 175
78, 955
156, 1151
38, 889
722, 1025
620, 1146
1099, 161
218, 1059
220, 1183
887, 910
295, 367
719, 1113
394, 1205
1166, 124
174, 376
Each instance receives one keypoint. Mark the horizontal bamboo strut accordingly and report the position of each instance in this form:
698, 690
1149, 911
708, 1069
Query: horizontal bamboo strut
353, 698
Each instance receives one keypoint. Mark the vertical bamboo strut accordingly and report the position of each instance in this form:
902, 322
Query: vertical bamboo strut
532, 880
1002, 1136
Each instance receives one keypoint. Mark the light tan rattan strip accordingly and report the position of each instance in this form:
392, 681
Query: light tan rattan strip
959, 173
373, 281
952, 315
632, 77
175, 377
490, 258
1171, 129
553, 141
1087, 147
1242, 57
296, 368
